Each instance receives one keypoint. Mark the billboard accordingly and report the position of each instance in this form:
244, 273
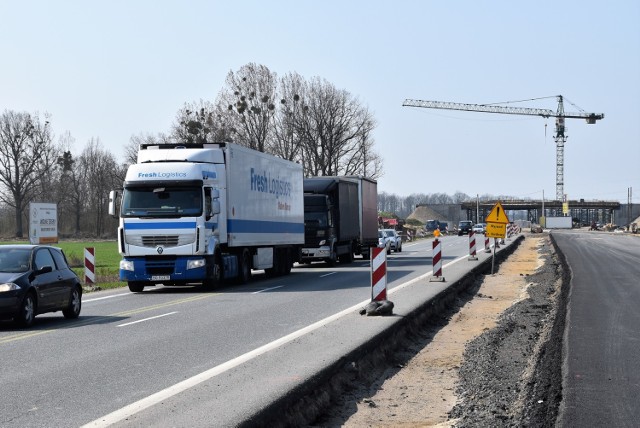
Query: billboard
43, 223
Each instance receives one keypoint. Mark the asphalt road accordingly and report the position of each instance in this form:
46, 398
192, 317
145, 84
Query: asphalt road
137, 351
601, 370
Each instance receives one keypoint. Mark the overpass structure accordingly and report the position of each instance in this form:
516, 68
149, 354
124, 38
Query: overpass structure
585, 211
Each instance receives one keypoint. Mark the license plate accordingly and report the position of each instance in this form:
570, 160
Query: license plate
160, 277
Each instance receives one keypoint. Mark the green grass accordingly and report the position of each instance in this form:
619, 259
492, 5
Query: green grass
106, 256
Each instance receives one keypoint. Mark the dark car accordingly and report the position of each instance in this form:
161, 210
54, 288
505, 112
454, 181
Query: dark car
35, 279
464, 227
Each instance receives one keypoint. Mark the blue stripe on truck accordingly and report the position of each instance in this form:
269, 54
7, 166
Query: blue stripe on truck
162, 225
256, 226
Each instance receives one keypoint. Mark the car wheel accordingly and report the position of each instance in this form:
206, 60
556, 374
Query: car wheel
75, 304
135, 287
27, 311
400, 248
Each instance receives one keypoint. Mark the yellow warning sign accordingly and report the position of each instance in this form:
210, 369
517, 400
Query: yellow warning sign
497, 215
496, 230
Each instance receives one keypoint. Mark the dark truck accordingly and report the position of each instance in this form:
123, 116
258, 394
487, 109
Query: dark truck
340, 218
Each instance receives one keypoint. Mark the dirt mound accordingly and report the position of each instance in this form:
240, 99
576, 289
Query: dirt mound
423, 213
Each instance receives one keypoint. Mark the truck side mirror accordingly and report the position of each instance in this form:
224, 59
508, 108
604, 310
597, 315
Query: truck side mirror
113, 197
215, 207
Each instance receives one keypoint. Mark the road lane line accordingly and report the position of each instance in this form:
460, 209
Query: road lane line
164, 305
105, 297
147, 319
267, 289
327, 274
160, 396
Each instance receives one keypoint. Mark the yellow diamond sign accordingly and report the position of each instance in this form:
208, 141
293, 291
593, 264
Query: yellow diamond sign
497, 215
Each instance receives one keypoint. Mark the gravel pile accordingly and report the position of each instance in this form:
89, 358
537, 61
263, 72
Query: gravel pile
511, 375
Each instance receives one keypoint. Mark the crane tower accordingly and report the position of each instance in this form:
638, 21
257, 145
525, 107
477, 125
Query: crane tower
560, 137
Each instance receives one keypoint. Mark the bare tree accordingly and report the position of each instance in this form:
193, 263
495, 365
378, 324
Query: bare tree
25, 151
99, 168
249, 99
336, 133
286, 138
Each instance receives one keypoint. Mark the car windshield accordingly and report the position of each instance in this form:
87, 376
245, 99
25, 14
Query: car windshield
389, 233
14, 260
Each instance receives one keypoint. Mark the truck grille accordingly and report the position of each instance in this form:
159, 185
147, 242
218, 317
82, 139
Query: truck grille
160, 266
161, 240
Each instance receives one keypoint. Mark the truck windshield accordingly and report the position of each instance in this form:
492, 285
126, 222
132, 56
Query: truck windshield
315, 219
162, 202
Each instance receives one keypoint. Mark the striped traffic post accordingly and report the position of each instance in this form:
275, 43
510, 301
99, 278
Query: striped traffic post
89, 266
472, 246
378, 274
437, 261
487, 245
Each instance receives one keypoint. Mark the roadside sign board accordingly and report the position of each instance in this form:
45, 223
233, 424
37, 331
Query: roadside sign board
43, 223
497, 215
496, 230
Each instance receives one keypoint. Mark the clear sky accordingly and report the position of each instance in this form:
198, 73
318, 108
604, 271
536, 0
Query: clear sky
113, 69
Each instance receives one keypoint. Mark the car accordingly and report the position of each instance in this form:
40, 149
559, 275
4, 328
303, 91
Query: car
444, 227
383, 242
464, 227
394, 239
35, 279
478, 228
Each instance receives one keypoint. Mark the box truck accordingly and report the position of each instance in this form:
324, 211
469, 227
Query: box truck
205, 213
340, 218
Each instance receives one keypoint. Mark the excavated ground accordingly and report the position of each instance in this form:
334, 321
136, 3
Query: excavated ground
494, 359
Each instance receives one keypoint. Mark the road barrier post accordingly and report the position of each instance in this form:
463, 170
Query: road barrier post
487, 245
472, 246
437, 261
378, 274
89, 266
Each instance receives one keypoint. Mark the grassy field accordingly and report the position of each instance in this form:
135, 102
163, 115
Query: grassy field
106, 255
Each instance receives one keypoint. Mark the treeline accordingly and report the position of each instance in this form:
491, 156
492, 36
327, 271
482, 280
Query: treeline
312, 122
403, 206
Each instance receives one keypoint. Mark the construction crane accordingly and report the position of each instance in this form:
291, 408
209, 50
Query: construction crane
560, 137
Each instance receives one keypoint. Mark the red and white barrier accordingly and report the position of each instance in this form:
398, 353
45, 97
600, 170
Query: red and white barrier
472, 246
437, 261
378, 274
89, 266
487, 245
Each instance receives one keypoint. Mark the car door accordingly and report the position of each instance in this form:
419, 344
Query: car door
66, 276
48, 285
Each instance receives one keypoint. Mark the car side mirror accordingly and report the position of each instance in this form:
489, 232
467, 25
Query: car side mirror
44, 269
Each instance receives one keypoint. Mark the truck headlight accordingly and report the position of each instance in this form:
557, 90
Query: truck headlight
197, 263
323, 242
126, 265
9, 286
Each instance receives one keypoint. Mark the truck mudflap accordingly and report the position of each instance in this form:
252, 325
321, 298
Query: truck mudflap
163, 271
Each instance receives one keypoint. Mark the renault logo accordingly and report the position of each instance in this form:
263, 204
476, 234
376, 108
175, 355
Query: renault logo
159, 250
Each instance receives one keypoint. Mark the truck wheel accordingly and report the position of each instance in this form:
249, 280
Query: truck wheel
288, 262
244, 267
347, 257
333, 257
135, 287
214, 272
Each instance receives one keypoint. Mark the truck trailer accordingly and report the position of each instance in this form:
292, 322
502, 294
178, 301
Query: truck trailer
206, 213
340, 217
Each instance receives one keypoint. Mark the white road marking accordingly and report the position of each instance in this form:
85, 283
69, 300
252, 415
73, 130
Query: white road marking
146, 319
105, 297
327, 274
267, 289
158, 397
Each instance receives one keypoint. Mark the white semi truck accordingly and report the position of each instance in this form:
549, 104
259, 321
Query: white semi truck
205, 213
